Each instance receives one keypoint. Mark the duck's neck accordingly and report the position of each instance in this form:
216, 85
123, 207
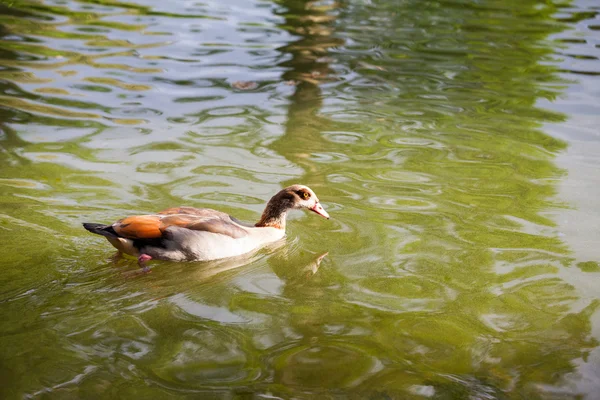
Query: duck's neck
275, 213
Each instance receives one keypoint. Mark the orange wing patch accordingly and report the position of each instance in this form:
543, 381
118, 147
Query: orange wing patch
150, 226
139, 227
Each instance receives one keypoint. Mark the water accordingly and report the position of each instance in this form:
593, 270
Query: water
454, 143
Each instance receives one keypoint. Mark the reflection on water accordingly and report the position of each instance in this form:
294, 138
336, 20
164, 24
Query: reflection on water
419, 125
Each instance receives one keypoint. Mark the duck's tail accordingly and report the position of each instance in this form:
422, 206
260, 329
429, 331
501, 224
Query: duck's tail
100, 229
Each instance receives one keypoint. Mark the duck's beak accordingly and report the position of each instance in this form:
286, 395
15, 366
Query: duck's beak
320, 210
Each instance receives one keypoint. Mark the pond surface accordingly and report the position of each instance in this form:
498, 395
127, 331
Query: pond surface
454, 143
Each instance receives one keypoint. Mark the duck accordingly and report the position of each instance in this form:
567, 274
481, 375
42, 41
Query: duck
203, 234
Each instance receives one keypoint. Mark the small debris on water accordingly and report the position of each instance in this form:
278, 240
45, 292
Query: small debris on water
244, 85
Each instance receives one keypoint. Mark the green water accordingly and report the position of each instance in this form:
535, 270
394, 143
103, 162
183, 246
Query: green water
452, 142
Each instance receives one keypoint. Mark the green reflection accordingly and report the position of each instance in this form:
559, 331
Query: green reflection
415, 122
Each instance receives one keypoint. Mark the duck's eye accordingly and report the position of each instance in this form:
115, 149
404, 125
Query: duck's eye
305, 195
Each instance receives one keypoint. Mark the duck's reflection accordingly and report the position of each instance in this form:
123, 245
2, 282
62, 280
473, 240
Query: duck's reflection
276, 254
280, 255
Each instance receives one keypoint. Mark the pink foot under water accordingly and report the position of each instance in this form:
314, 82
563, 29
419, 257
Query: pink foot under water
142, 259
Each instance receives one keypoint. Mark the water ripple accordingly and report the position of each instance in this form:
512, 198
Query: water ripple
419, 125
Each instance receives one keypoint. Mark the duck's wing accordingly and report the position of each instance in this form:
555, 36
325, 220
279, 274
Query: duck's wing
201, 212
154, 226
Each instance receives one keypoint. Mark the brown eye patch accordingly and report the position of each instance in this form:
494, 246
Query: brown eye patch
303, 194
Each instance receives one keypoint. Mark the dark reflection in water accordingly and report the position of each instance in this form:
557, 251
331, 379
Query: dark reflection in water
439, 276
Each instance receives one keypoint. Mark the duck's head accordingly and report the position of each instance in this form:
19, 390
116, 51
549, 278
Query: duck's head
303, 197
292, 197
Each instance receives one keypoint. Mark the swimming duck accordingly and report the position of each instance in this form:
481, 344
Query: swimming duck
203, 234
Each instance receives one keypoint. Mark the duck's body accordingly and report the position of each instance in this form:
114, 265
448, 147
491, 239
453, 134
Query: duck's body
203, 234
